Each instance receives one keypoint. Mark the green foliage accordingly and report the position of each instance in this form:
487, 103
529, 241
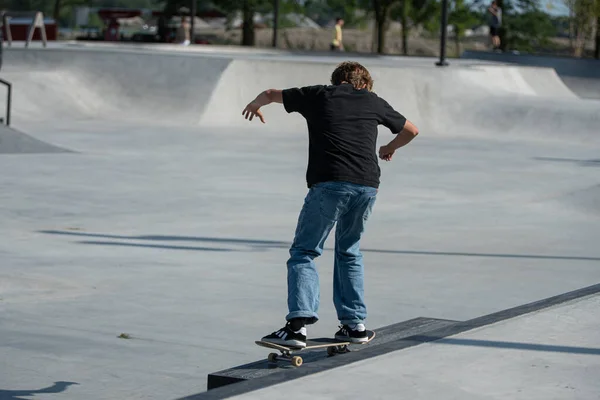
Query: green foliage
354, 12
426, 13
530, 30
526, 27
44, 6
461, 17
95, 21
346, 9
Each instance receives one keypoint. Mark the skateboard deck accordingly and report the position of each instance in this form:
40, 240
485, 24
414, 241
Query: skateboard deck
333, 346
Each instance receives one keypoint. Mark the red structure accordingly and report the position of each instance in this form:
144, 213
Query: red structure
19, 28
114, 13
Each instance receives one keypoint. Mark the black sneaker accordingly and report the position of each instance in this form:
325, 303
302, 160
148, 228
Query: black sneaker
354, 334
287, 337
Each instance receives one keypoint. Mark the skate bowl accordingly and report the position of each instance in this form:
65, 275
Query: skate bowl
133, 266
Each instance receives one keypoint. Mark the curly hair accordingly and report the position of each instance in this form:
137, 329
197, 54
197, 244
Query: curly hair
353, 73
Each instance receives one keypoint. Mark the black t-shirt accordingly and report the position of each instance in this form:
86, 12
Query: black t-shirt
342, 127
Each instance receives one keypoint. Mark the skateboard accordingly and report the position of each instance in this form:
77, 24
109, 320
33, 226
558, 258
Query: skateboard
333, 346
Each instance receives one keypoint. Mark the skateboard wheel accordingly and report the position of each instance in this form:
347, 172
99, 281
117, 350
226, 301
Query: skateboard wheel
272, 357
331, 351
296, 361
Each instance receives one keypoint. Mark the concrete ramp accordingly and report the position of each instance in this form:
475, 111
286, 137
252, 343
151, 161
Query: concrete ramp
195, 89
582, 76
15, 142
94, 84
464, 100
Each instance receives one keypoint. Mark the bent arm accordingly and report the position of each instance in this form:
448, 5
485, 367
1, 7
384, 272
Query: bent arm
404, 137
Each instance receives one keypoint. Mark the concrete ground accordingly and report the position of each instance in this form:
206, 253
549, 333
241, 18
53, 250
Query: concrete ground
170, 219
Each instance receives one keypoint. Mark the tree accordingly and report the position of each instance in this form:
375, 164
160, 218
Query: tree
247, 8
413, 13
60, 6
597, 38
583, 15
460, 17
597, 45
382, 9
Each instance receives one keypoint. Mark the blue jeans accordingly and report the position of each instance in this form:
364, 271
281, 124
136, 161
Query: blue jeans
326, 203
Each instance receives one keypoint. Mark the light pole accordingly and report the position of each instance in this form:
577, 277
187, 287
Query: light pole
442, 62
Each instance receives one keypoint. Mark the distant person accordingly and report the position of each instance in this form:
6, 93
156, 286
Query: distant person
185, 31
495, 23
343, 179
337, 44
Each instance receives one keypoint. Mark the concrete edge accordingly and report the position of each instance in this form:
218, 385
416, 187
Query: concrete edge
459, 327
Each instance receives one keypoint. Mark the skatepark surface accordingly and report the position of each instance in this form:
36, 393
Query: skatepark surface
146, 225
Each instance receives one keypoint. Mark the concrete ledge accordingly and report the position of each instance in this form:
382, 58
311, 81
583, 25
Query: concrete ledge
395, 337
317, 360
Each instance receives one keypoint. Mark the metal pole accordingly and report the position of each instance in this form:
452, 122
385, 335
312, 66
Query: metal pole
8, 100
8, 104
442, 62
275, 21
192, 40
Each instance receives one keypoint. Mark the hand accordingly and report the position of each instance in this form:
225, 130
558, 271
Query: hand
386, 153
252, 110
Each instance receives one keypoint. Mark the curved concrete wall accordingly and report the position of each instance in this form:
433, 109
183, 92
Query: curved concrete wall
199, 89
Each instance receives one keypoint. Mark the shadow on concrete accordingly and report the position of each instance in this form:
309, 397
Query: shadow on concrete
261, 245
57, 387
154, 246
583, 163
518, 346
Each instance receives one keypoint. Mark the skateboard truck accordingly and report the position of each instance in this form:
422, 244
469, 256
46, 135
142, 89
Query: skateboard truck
286, 355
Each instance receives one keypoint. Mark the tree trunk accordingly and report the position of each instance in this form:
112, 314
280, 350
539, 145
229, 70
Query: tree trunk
404, 22
248, 24
381, 14
57, 5
381, 36
597, 47
457, 41
571, 30
579, 44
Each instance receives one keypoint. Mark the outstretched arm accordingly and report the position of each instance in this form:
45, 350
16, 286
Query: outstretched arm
267, 97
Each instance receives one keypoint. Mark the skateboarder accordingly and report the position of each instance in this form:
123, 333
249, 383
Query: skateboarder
495, 21
343, 179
